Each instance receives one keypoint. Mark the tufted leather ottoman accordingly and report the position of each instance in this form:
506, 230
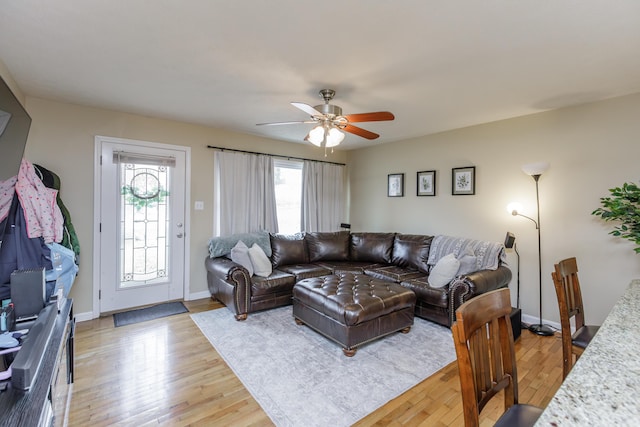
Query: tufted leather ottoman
352, 309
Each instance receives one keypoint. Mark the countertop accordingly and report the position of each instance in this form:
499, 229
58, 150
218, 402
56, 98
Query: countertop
603, 387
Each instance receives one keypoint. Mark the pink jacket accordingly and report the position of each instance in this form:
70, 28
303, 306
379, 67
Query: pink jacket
7, 190
41, 212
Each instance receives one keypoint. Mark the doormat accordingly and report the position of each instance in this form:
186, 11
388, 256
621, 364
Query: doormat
149, 313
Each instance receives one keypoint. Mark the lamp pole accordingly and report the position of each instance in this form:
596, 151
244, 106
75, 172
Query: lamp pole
539, 329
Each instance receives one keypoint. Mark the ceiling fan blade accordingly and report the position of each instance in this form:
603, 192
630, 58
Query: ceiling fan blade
378, 116
307, 109
284, 123
360, 132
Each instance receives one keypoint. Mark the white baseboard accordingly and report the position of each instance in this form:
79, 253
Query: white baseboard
83, 317
198, 295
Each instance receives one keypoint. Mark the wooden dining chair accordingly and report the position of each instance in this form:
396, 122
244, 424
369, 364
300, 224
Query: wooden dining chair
565, 280
486, 359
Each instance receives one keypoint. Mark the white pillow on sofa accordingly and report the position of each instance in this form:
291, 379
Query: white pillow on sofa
444, 271
240, 255
468, 262
261, 264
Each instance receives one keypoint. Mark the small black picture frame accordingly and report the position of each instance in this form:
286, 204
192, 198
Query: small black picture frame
395, 185
426, 183
463, 181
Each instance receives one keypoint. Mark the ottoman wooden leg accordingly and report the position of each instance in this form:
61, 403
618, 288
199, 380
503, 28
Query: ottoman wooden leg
406, 330
349, 352
298, 321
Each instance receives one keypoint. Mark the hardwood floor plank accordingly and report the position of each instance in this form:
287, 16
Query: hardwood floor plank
165, 372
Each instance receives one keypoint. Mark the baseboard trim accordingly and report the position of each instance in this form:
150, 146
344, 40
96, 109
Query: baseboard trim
198, 295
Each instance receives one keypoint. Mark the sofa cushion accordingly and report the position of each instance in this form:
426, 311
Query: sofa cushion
277, 282
288, 249
372, 247
438, 297
392, 273
261, 264
444, 271
304, 271
412, 251
240, 255
339, 267
328, 246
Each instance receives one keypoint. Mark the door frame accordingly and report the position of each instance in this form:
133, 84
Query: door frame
97, 189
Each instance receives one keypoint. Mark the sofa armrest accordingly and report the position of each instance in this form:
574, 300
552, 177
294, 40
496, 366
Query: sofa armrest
466, 287
230, 284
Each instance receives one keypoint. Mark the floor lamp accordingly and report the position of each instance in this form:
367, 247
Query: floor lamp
536, 170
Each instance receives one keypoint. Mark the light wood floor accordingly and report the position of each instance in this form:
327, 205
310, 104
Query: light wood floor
165, 372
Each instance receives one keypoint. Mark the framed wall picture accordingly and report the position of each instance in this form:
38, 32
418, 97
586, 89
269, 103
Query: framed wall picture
426, 183
395, 185
463, 181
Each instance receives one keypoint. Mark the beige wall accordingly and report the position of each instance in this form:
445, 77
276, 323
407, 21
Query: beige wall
6, 76
62, 140
591, 148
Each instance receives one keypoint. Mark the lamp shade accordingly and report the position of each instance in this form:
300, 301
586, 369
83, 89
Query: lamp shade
334, 137
536, 168
316, 135
514, 207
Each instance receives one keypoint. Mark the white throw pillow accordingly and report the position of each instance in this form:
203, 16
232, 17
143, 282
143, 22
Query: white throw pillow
261, 264
468, 262
444, 271
240, 255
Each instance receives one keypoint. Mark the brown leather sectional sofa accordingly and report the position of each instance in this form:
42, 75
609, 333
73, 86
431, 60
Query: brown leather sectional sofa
400, 258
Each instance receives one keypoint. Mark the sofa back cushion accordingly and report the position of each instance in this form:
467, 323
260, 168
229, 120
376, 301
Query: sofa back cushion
412, 251
288, 250
372, 247
328, 246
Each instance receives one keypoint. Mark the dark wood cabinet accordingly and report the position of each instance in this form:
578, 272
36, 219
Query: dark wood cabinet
47, 400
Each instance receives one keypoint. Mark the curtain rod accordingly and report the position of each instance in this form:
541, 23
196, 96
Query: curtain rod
274, 155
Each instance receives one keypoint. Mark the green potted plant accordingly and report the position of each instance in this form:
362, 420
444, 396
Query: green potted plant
623, 206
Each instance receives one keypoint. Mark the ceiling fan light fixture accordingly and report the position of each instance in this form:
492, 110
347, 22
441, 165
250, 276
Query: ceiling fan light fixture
330, 125
316, 135
334, 137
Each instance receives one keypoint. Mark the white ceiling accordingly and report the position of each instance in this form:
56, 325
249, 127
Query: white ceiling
437, 65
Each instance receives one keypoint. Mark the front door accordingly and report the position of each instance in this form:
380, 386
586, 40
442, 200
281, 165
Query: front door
142, 223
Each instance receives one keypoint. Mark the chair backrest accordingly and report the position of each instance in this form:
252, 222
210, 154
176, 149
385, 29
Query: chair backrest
486, 357
565, 280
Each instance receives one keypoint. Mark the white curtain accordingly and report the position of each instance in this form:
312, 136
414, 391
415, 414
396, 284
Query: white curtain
245, 196
322, 196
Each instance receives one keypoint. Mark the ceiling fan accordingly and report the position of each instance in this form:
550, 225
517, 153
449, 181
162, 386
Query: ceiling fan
330, 121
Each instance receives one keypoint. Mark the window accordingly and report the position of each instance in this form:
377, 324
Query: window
288, 189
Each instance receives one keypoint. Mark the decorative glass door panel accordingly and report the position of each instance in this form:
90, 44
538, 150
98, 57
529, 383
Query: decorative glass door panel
144, 224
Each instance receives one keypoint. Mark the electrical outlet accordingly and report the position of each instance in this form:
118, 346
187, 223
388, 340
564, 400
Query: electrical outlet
199, 205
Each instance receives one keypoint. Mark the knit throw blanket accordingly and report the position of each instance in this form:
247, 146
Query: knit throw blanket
488, 254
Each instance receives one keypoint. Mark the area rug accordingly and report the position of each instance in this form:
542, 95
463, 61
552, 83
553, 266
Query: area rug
300, 378
149, 313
